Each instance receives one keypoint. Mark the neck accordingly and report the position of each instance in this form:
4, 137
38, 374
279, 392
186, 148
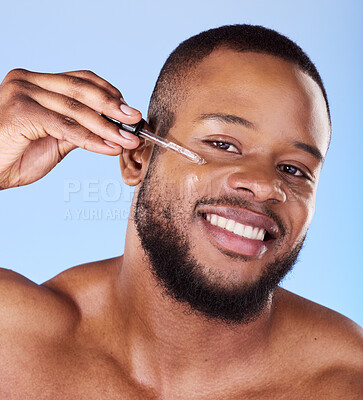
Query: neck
163, 342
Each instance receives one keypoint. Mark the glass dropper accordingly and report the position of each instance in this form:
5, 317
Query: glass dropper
139, 130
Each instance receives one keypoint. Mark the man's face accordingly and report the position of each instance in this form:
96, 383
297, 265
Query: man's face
221, 236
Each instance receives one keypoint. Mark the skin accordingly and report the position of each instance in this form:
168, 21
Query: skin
105, 330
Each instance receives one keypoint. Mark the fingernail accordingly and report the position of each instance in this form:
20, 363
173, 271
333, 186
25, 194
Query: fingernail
111, 144
128, 110
127, 135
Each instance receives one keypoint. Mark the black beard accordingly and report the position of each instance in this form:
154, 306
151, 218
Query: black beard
180, 275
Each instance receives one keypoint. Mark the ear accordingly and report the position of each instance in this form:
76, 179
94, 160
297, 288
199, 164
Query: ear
134, 163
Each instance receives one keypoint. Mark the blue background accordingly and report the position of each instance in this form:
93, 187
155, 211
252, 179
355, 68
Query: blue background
127, 43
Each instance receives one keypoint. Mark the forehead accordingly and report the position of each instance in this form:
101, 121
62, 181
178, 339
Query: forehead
272, 93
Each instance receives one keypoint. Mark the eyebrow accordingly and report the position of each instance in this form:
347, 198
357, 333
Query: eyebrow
309, 149
234, 119
226, 118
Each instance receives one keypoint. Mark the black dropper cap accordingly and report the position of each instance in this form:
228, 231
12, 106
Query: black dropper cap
132, 128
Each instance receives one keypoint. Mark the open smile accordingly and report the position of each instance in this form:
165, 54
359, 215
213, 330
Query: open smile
238, 230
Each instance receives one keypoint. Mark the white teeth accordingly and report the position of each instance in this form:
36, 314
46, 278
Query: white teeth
222, 222
230, 225
248, 231
261, 234
237, 228
214, 219
255, 232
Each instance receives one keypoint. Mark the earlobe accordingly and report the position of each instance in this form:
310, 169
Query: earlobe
134, 163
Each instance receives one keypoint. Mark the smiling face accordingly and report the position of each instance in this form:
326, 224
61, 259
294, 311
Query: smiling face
238, 222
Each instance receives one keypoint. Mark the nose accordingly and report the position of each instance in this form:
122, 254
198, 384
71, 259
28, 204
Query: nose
259, 181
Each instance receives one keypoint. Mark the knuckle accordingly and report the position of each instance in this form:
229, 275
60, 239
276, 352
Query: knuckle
15, 88
75, 80
18, 108
87, 72
76, 85
16, 73
67, 127
73, 104
116, 92
20, 104
68, 122
107, 99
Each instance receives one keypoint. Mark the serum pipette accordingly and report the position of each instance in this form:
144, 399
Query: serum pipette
139, 130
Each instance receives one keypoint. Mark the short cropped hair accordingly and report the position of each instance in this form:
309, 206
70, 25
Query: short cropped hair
172, 81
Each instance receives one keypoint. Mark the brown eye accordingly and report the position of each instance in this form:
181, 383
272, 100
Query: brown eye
291, 170
225, 146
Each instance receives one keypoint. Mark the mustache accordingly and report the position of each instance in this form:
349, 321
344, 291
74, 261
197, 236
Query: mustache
242, 203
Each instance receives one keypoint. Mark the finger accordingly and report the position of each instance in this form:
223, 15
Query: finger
64, 148
97, 80
81, 113
48, 122
84, 91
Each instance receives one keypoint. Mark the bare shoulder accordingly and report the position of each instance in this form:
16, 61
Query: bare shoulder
88, 285
51, 311
27, 307
323, 321
326, 343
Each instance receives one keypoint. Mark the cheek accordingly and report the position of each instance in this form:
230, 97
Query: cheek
188, 180
301, 205
206, 181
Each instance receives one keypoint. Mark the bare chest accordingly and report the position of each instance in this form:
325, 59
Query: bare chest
66, 377
69, 373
